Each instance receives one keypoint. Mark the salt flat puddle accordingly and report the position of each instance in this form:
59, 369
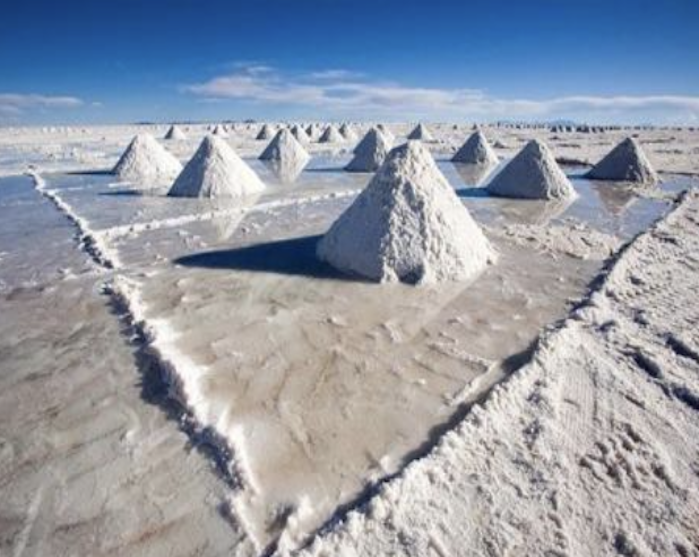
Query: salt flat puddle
320, 383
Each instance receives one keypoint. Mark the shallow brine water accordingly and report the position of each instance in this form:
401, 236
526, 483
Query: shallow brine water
320, 383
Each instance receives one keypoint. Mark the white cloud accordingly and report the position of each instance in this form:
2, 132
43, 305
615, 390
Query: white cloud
13, 104
343, 93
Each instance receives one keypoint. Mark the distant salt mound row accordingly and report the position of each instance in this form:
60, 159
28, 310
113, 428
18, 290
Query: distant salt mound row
147, 163
408, 225
266, 133
175, 133
532, 174
219, 131
347, 132
216, 171
421, 133
370, 153
625, 163
331, 135
286, 148
476, 150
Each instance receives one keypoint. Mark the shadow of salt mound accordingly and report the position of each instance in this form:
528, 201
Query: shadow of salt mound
91, 172
295, 257
473, 174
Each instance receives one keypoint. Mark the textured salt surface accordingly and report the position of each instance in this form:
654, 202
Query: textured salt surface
161, 234
588, 450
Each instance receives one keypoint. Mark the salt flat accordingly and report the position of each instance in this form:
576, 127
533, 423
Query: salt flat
314, 386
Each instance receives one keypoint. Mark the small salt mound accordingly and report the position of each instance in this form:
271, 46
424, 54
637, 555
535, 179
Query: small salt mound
175, 134
216, 171
331, 135
348, 133
285, 147
300, 134
420, 132
626, 162
147, 162
407, 225
532, 174
370, 153
266, 133
220, 131
476, 150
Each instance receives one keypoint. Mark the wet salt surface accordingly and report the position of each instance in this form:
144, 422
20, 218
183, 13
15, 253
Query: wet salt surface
322, 384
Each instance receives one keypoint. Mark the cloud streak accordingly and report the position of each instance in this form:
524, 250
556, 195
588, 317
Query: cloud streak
13, 104
339, 92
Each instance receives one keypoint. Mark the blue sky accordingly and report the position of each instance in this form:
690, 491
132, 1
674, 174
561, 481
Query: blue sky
626, 61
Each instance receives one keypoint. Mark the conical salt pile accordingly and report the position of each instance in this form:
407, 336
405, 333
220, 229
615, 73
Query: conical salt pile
175, 133
625, 163
285, 147
147, 162
266, 133
220, 131
370, 153
300, 134
216, 171
532, 174
331, 135
421, 133
407, 225
348, 133
476, 150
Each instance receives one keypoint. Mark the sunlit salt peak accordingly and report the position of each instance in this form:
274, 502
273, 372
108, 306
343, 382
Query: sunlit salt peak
370, 152
331, 135
175, 133
407, 225
625, 163
216, 171
285, 147
146, 162
420, 132
532, 174
476, 150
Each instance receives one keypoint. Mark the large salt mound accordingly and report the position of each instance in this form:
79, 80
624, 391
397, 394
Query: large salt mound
532, 174
407, 225
175, 133
266, 133
476, 150
370, 153
286, 148
331, 135
627, 163
147, 162
216, 171
421, 133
